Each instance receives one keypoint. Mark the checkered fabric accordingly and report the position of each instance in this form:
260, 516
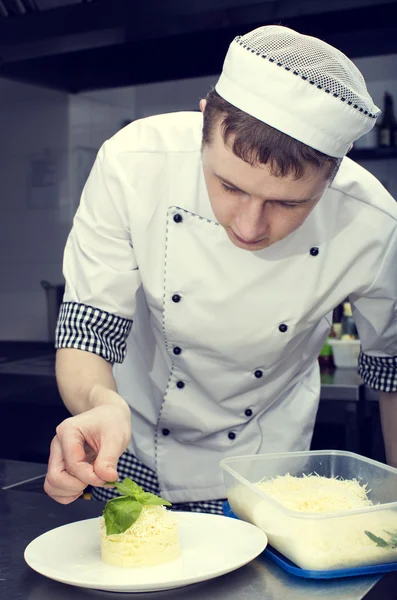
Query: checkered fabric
87, 328
130, 466
378, 372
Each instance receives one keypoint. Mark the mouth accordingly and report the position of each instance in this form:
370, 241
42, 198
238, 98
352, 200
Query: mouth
246, 242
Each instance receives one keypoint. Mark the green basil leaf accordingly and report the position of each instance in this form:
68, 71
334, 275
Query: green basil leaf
378, 540
120, 513
148, 499
127, 487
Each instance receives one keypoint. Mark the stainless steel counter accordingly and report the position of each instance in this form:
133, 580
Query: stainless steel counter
24, 516
342, 384
15, 473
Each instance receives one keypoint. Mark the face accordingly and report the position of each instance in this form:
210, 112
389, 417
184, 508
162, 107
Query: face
255, 208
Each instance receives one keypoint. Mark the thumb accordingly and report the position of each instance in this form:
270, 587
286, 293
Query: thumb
105, 465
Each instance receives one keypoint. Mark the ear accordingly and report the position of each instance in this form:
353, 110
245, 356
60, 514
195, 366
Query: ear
203, 103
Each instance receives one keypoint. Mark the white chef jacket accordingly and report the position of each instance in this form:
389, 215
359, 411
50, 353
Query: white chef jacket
221, 358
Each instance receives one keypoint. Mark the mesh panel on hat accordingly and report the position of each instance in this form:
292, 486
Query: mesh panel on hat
313, 60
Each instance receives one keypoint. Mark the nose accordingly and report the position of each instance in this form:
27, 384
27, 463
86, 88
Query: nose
250, 223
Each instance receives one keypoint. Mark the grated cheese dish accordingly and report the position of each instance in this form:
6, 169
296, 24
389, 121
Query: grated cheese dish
315, 494
324, 536
152, 540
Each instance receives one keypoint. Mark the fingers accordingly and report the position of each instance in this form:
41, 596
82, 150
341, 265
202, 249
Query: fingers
85, 451
105, 466
75, 459
59, 484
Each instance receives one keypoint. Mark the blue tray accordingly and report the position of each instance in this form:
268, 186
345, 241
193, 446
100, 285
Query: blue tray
293, 569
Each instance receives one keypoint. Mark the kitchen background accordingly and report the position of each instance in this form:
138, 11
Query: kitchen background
57, 106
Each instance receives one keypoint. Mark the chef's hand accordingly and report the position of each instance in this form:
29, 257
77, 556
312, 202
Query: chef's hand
85, 451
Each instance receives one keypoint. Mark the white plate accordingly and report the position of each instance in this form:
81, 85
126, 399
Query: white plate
211, 545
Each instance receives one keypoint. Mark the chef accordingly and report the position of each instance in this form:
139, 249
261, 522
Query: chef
205, 260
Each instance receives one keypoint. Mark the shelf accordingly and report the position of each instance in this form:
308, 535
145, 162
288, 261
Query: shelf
372, 153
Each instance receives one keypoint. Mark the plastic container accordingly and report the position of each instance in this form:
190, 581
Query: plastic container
293, 569
317, 541
345, 352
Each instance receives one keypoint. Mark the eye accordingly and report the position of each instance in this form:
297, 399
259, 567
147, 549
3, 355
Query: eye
229, 189
287, 206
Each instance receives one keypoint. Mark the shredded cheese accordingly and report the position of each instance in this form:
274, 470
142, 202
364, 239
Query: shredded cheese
315, 494
152, 540
325, 536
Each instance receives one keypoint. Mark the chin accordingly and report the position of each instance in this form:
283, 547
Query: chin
261, 245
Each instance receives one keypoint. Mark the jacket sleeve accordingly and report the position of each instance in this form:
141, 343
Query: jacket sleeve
375, 315
99, 266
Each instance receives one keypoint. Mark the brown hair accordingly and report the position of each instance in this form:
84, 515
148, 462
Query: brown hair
256, 142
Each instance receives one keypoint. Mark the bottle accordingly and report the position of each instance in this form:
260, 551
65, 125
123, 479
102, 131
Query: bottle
326, 359
349, 330
387, 127
337, 314
336, 331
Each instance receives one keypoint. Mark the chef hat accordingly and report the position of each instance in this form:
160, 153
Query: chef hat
299, 85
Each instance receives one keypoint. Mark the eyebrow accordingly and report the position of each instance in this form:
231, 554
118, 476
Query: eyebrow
284, 201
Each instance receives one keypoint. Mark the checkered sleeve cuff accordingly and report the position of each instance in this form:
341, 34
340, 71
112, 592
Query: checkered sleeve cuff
87, 328
379, 372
